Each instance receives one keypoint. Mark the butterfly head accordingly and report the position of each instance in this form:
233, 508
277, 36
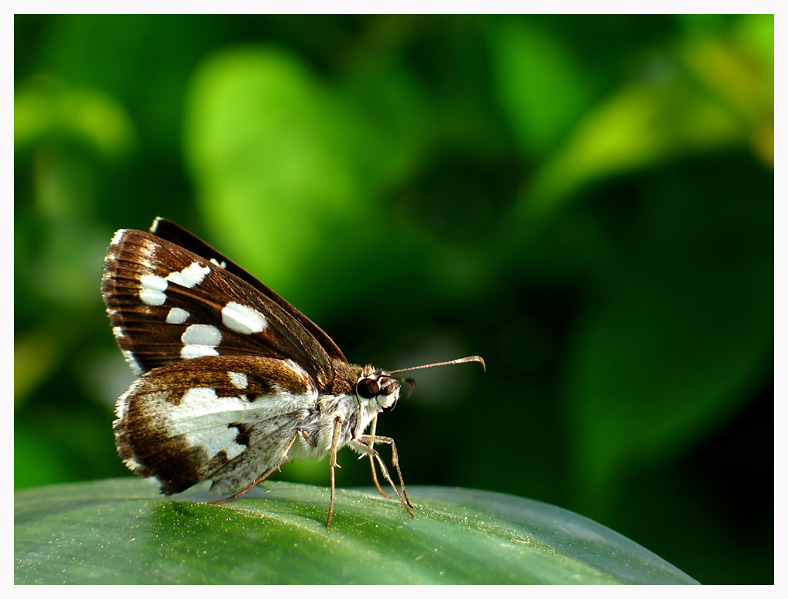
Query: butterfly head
378, 390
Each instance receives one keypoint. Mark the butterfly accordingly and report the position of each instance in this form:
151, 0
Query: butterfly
234, 381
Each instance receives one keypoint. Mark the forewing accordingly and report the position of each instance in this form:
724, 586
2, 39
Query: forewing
176, 234
227, 419
167, 304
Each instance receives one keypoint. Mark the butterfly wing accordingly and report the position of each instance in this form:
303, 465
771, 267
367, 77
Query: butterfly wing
167, 304
227, 419
176, 234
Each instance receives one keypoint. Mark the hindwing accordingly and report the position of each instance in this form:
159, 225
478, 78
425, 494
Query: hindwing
227, 419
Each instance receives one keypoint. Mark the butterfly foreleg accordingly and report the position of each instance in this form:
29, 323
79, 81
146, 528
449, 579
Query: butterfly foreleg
360, 446
373, 426
372, 439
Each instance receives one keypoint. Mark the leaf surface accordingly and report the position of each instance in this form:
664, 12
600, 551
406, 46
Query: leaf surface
121, 532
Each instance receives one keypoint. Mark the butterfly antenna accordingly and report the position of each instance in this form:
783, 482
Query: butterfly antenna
457, 361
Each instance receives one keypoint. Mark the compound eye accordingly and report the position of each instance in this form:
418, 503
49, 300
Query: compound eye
368, 388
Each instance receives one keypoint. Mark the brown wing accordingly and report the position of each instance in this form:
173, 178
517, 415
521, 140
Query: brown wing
167, 303
228, 419
176, 234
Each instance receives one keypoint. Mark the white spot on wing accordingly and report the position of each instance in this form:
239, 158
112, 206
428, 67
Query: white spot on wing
202, 334
238, 379
118, 332
221, 264
190, 276
189, 352
208, 421
177, 316
132, 362
116, 237
243, 319
153, 288
200, 340
203, 419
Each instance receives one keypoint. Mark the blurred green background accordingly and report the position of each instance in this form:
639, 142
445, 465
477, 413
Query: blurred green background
585, 201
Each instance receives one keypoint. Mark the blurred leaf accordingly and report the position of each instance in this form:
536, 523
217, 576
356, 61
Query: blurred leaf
642, 124
46, 109
681, 330
756, 33
264, 144
69, 264
388, 123
542, 89
35, 356
740, 76
35, 458
118, 532
704, 96
284, 176
645, 381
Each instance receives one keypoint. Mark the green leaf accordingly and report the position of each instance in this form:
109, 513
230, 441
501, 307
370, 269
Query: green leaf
122, 532
266, 150
47, 110
541, 87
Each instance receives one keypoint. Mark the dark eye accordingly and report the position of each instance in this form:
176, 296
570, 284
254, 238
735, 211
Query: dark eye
368, 388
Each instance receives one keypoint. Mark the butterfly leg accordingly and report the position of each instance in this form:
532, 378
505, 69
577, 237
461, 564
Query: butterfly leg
372, 429
333, 464
359, 445
256, 482
268, 472
372, 439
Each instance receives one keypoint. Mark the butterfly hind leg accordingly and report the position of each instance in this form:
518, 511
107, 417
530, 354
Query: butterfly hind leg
360, 446
333, 464
245, 490
265, 474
